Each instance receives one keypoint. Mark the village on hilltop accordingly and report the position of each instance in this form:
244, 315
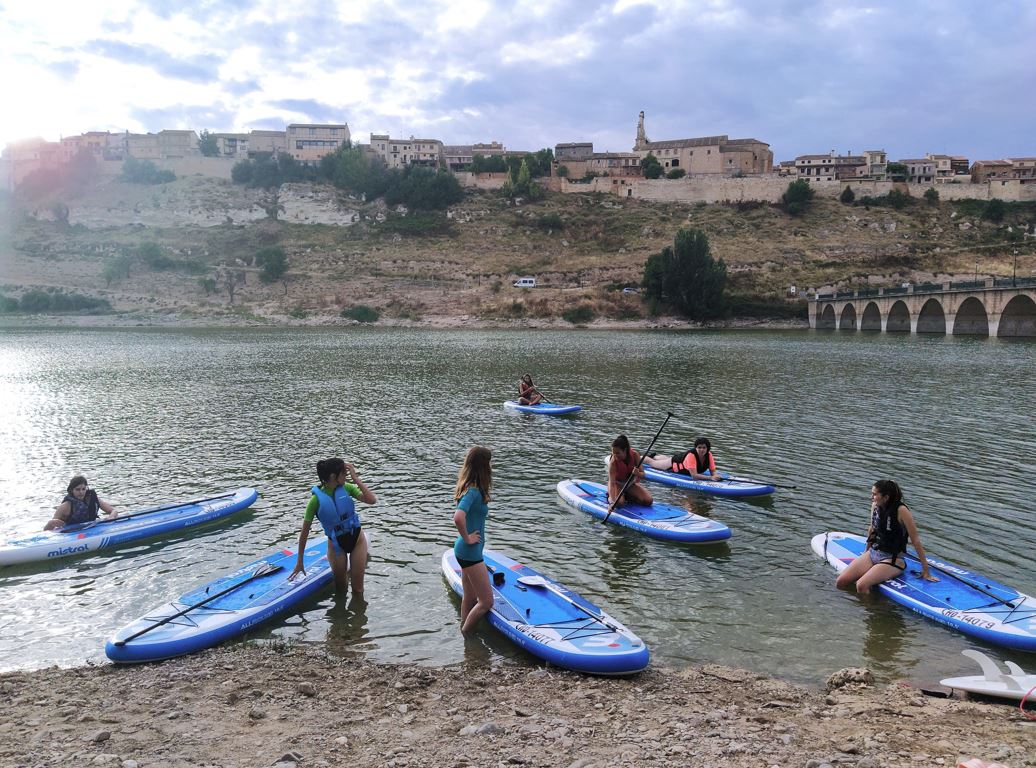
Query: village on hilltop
709, 169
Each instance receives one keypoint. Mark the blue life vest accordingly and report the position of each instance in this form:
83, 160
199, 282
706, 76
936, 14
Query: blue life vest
84, 511
337, 515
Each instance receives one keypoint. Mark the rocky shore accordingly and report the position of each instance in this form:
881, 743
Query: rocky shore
295, 706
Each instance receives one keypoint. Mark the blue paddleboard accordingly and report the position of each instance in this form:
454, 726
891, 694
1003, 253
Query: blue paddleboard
552, 622
247, 602
660, 521
100, 534
966, 601
728, 486
546, 409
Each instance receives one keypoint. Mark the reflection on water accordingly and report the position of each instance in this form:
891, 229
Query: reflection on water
151, 415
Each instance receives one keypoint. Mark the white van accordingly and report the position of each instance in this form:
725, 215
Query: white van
525, 282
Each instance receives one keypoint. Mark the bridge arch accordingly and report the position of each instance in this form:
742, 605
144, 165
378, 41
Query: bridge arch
1018, 317
931, 318
847, 322
971, 318
827, 317
871, 320
898, 319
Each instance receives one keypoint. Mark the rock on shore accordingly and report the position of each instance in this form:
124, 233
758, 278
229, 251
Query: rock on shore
295, 706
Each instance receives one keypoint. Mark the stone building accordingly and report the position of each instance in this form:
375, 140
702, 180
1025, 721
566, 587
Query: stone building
707, 155
399, 153
308, 142
599, 164
573, 151
831, 167
458, 157
269, 142
919, 170
232, 144
991, 170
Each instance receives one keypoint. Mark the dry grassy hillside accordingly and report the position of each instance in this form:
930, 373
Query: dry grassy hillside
582, 249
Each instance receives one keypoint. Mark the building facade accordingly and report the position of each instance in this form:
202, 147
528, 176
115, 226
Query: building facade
599, 164
308, 142
919, 170
399, 153
830, 167
573, 151
707, 155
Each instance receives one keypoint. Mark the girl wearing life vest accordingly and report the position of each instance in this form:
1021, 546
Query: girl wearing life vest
624, 464
332, 504
80, 505
694, 463
892, 524
474, 482
527, 392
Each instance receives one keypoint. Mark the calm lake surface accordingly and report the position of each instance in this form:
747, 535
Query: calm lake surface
153, 415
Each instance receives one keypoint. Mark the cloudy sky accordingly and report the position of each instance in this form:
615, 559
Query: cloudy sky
807, 76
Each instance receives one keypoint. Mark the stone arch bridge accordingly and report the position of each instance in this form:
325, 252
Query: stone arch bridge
991, 307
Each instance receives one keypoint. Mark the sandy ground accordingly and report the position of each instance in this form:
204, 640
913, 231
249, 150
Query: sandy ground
294, 705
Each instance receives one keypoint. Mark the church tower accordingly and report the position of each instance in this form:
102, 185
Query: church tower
642, 139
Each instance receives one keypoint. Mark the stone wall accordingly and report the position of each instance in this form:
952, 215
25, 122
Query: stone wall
213, 167
481, 180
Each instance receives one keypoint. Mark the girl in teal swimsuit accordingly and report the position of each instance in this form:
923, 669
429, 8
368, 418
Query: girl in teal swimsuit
472, 496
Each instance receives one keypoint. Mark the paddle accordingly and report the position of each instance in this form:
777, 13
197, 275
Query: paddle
971, 584
633, 474
757, 482
92, 523
264, 569
539, 581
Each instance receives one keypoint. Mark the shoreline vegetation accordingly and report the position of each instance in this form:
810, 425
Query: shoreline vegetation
290, 704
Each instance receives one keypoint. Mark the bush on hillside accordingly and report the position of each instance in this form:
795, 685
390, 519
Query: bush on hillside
580, 315
651, 168
273, 263
361, 313
684, 276
931, 196
797, 198
676, 173
847, 196
55, 301
994, 210
144, 172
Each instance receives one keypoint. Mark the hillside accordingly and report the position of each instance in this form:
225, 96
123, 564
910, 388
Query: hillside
582, 249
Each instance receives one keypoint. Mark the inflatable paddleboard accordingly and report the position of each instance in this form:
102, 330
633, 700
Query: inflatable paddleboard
1013, 684
100, 534
966, 601
660, 521
729, 486
551, 622
227, 607
546, 409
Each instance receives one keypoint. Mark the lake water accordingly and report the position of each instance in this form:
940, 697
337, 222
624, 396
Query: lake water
152, 415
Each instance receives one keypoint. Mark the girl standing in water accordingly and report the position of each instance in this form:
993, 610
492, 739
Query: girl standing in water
472, 496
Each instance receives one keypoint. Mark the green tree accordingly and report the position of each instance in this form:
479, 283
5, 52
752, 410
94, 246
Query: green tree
897, 171
797, 197
994, 210
931, 195
423, 188
685, 277
651, 168
490, 164
144, 172
676, 173
207, 144
847, 196
273, 264
562, 171
899, 199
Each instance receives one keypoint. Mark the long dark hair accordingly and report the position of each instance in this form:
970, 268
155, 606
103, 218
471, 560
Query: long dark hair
891, 489
703, 441
77, 480
622, 443
328, 467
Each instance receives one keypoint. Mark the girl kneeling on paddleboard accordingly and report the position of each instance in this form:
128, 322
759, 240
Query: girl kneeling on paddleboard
80, 505
692, 463
332, 504
472, 496
891, 525
527, 392
622, 467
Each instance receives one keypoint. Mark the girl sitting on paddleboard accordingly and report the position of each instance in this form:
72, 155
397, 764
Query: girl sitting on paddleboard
472, 496
891, 525
693, 463
622, 467
527, 392
332, 504
80, 505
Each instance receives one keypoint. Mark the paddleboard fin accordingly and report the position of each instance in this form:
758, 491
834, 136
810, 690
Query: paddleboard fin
989, 667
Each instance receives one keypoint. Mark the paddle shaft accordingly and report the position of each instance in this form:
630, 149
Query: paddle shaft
758, 482
91, 523
548, 586
971, 584
263, 570
633, 474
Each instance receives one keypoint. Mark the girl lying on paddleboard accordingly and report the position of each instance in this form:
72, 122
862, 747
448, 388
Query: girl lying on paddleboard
892, 524
80, 505
693, 463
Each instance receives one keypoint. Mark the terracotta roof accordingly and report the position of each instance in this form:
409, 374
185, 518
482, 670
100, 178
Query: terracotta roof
705, 141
